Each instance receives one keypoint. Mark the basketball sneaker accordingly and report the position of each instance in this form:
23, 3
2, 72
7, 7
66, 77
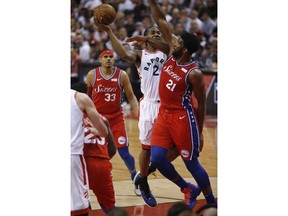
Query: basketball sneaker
136, 184
190, 195
146, 194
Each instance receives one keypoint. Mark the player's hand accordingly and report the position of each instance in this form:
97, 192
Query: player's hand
140, 40
93, 130
201, 142
101, 26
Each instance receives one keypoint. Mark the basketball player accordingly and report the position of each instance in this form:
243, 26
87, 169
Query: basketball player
176, 122
81, 104
105, 85
97, 152
149, 63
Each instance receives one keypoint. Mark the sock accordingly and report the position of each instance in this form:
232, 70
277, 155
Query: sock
198, 172
128, 160
159, 159
210, 199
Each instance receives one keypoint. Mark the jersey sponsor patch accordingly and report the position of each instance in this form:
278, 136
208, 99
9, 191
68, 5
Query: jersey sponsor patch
114, 80
185, 153
184, 70
121, 140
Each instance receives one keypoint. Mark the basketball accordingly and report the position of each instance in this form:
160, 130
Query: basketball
104, 14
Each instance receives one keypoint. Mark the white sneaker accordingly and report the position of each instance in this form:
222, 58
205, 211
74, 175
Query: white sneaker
136, 186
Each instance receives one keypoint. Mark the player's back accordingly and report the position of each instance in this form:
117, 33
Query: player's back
149, 73
107, 92
77, 128
174, 91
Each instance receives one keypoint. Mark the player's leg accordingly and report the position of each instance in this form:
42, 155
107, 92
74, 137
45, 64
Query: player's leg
80, 201
121, 140
188, 142
148, 114
128, 160
100, 182
162, 141
201, 177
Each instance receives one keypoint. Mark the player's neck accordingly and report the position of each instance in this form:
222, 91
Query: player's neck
107, 71
184, 59
151, 48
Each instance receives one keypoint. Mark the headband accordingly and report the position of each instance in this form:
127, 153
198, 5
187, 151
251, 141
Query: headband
106, 52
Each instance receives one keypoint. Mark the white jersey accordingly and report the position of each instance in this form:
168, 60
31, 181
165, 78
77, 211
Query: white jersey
149, 73
77, 126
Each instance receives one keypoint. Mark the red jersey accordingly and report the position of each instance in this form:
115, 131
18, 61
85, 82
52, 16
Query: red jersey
107, 93
94, 146
174, 92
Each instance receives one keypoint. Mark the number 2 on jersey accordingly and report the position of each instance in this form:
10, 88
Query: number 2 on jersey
171, 85
155, 70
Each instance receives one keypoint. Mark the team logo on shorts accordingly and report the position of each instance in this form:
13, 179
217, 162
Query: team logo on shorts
185, 153
121, 140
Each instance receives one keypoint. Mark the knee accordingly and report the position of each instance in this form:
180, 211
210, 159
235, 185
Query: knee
123, 152
158, 154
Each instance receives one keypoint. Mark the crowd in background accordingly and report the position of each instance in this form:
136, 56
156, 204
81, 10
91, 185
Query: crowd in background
133, 17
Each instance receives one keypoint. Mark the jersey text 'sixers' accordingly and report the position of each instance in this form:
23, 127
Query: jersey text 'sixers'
174, 91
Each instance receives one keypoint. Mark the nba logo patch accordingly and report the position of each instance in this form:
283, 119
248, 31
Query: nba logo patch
184, 70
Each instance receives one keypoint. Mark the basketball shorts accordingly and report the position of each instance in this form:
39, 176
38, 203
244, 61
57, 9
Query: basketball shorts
179, 128
80, 203
148, 113
117, 126
100, 181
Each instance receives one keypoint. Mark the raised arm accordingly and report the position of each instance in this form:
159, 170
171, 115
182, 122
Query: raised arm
197, 81
159, 18
87, 106
160, 45
129, 56
125, 83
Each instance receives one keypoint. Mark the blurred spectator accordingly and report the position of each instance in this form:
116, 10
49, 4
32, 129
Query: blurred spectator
199, 6
208, 24
75, 60
126, 5
193, 17
117, 211
175, 16
206, 58
84, 51
139, 29
180, 209
90, 4
179, 28
212, 9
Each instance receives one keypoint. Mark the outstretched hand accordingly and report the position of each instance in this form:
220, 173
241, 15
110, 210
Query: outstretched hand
137, 40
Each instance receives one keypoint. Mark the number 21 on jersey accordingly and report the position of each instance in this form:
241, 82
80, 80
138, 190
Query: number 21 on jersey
171, 85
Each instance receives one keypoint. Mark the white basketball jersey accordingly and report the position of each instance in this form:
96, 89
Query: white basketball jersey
149, 73
77, 126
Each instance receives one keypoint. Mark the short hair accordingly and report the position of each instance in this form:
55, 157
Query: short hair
147, 29
177, 208
191, 42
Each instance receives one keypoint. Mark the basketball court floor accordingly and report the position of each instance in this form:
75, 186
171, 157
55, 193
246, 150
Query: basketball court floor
165, 192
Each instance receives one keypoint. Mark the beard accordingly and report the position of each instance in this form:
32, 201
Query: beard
178, 53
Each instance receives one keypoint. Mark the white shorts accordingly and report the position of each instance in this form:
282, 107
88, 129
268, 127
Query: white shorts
148, 113
79, 184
